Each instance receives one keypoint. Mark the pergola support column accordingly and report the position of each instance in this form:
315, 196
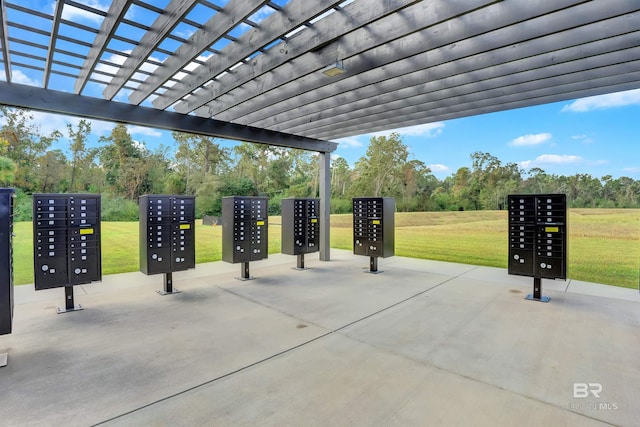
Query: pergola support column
325, 204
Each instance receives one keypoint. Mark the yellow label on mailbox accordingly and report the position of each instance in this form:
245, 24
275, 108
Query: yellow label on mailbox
185, 226
375, 222
260, 223
552, 229
314, 220
86, 231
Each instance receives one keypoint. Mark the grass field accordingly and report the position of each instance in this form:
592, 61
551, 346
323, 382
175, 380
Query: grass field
604, 244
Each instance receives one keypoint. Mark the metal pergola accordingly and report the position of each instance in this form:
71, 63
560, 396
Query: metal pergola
299, 73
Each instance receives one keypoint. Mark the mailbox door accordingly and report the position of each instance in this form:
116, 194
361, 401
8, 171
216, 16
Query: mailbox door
183, 233
360, 226
259, 228
51, 240
522, 231
84, 254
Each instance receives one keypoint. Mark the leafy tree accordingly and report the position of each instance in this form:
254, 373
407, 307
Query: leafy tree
51, 172
81, 157
23, 144
7, 171
379, 173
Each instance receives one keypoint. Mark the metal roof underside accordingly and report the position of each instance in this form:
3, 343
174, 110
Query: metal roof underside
260, 63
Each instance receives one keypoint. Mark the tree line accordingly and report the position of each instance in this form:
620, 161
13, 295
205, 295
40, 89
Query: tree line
122, 169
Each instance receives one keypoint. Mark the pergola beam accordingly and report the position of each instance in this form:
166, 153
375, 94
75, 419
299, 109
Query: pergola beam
173, 13
93, 108
221, 23
507, 78
276, 25
52, 43
317, 47
467, 106
108, 28
371, 88
446, 42
4, 40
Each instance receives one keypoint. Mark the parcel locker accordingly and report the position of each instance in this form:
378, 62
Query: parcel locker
6, 260
167, 233
66, 237
244, 229
300, 226
373, 226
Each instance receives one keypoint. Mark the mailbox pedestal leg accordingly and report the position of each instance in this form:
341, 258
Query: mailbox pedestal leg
537, 291
244, 272
168, 285
3, 359
69, 305
300, 262
373, 265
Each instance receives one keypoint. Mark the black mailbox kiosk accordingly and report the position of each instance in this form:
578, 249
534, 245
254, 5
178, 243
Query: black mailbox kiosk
66, 242
245, 231
167, 236
373, 228
538, 239
6, 264
300, 228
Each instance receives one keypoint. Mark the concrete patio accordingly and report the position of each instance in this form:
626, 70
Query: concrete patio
424, 343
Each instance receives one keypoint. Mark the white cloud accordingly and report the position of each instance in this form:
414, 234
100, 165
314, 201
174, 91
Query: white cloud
349, 142
19, 77
551, 159
437, 167
429, 130
47, 123
141, 130
73, 13
601, 102
531, 139
585, 139
633, 170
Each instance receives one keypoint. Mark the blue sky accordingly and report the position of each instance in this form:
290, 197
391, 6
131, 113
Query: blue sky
598, 135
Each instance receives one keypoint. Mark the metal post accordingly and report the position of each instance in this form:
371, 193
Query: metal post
373, 264
168, 282
325, 204
68, 296
168, 288
244, 271
537, 291
69, 303
300, 263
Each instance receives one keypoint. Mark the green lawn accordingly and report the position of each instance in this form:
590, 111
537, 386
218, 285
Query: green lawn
604, 244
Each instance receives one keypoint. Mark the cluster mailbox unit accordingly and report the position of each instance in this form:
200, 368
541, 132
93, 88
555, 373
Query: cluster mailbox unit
373, 228
300, 228
244, 231
167, 236
538, 238
6, 264
66, 236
